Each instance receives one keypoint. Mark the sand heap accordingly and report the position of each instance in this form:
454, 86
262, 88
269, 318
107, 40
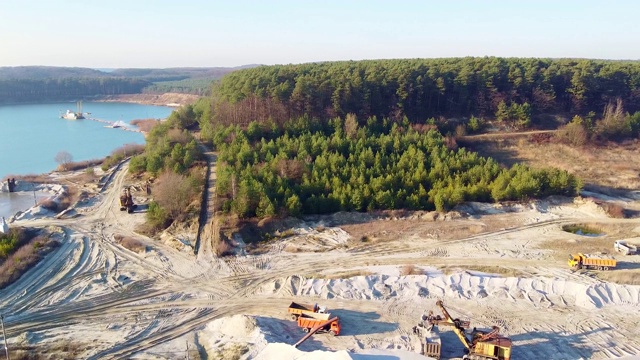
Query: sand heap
238, 328
282, 351
288, 352
539, 291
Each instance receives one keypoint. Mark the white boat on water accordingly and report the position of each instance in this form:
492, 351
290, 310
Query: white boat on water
74, 115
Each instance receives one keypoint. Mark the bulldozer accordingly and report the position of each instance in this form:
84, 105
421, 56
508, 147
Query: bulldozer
483, 345
126, 201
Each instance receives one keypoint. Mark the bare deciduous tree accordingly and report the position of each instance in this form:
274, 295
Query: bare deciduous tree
63, 158
174, 193
351, 125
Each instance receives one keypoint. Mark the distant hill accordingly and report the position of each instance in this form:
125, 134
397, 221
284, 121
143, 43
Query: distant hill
47, 72
173, 74
148, 74
38, 83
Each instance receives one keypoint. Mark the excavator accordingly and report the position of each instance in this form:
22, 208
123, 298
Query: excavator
483, 344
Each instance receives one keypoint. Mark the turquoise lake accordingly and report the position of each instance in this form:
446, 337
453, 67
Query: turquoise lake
31, 135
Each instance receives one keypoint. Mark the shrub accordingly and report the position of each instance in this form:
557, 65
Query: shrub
174, 192
49, 204
614, 124
29, 247
156, 216
15, 238
614, 210
120, 154
223, 248
86, 164
63, 158
145, 125
33, 178
63, 202
138, 164
475, 124
130, 243
410, 269
574, 133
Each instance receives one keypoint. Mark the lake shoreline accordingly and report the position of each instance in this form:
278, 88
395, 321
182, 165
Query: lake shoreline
167, 99
173, 100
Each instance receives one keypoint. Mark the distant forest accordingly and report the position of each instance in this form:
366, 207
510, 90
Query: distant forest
367, 135
44, 83
26, 90
370, 135
421, 89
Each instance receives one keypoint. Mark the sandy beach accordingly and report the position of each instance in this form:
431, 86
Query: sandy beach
167, 99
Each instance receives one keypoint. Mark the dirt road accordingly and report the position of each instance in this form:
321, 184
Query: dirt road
106, 302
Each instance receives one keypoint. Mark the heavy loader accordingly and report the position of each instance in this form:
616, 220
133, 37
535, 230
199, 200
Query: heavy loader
126, 201
483, 345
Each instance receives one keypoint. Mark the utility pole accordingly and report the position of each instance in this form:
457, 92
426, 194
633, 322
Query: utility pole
187, 341
4, 335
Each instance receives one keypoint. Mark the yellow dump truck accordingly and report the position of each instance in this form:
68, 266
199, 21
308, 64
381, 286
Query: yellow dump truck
596, 262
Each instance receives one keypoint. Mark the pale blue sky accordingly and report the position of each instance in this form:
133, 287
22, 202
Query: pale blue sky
145, 33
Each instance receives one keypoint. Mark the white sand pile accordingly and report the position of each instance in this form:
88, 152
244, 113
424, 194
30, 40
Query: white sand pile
280, 351
35, 212
312, 236
377, 354
539, 291
547, 209
327, 235
581, 207
238, 329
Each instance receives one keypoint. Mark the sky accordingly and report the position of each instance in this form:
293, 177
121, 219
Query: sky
201, 33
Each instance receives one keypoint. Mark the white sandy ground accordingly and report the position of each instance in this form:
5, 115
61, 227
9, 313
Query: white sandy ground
112, 303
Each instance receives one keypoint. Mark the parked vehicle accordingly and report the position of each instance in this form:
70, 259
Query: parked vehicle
624, 247
296, 309
323, 322
596, 262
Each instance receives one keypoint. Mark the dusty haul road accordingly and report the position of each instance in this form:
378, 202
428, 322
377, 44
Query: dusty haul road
102, 301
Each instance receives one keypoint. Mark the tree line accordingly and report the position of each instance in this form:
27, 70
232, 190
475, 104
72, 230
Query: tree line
200, 87
309, 166
46, 83
428, 88
32, 90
